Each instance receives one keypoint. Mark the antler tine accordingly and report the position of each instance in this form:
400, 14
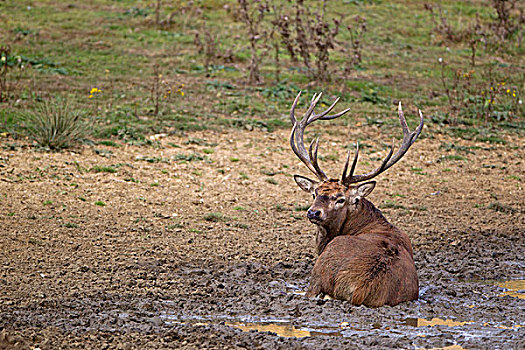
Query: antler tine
292, 111
297, 135
324, 116
408, 139
301, 151
354, 163
313, 157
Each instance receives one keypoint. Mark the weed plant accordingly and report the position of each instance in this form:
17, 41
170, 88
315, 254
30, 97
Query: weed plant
54, 124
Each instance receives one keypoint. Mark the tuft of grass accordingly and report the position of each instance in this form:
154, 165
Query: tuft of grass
272, 181
491, 139
103, 169
188, 157
108, 143
100, 203
214, 217
47, 202
388, 204
70, 225
503, 208
243, 176
239, 208
301, 207
55, 125
452, 157
174, 226
241, 225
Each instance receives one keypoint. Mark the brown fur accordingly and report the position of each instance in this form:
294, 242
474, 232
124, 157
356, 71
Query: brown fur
362, 257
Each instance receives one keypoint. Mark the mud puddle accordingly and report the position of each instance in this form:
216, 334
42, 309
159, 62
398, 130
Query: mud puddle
512, 288
419, 327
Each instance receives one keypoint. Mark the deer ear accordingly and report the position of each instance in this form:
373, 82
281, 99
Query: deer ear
305, 183
363, 190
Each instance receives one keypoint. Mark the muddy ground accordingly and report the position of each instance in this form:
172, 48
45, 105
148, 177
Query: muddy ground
202, 242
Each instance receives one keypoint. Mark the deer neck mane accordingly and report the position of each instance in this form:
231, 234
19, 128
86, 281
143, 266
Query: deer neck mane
366, 219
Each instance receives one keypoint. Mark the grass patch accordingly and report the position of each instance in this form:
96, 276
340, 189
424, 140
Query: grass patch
103, 169
389, 204
500, 207
272, 181
108, 143
100, 203
214, 217
452, 157
302, 207
188, 157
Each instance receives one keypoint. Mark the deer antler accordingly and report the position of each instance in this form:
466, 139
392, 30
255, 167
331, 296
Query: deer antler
408, 139
297, 135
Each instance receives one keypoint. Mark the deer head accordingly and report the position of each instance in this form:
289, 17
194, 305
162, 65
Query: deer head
336, 199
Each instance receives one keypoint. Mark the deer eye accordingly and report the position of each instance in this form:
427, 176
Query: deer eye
340, 201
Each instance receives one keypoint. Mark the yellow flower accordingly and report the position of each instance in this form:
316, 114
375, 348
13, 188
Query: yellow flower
513, 95
502, 83
491, 89
508, 90
493, 101
90, 96
182, 93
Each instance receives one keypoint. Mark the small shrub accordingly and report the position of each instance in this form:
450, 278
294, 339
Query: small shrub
53, 124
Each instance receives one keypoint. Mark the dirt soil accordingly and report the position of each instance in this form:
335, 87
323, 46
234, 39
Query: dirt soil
202, 242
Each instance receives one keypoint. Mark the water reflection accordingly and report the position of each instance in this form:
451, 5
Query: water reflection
421, 322
513, 288
283, 330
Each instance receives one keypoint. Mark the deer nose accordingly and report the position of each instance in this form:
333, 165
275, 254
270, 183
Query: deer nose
313, 214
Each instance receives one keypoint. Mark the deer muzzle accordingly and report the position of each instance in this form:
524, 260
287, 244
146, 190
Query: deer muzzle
315, 215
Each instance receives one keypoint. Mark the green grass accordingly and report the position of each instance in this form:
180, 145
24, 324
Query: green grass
113, 46
103, 169
214, 217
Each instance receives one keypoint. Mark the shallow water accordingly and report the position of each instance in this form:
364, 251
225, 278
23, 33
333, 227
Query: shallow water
512, 288
415, 326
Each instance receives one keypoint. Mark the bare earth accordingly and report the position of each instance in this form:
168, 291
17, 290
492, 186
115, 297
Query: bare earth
214, 251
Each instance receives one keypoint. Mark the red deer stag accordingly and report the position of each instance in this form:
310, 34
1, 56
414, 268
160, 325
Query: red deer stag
362, 257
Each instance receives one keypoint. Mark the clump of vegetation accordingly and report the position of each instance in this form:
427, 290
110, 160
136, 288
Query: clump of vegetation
214, 217
306, 35
500, 207
252, 14
8, 63
103, 169
56, 125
